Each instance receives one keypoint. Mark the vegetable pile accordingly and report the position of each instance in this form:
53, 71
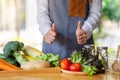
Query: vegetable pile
16, 56
22, 57
88, 63
91, 63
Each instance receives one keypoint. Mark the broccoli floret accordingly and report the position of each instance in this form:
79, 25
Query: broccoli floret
13, 49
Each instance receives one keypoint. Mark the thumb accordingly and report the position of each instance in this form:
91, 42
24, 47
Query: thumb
78, 28
79, 25
54, 27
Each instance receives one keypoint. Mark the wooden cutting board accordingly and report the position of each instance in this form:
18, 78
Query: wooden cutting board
31, 72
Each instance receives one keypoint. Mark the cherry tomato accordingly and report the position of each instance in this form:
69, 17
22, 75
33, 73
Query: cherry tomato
75, 67
65, 64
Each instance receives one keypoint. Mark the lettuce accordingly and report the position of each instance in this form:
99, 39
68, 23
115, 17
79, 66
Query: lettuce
53, 59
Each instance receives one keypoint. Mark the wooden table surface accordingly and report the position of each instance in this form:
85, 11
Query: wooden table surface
53, 74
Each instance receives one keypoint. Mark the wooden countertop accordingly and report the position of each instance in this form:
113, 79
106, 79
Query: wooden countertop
53, 74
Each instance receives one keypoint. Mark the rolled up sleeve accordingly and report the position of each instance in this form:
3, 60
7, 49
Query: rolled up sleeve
93, 18
43, 16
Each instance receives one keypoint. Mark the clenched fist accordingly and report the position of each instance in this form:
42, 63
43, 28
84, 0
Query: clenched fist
81, 34
51, 34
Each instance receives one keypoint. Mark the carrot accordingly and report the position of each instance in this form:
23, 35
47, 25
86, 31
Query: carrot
5, 66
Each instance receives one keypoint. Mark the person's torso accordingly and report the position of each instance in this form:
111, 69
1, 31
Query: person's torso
66, 40
66, 25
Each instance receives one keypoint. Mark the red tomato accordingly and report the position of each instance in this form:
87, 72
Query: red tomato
75, 67
65, 64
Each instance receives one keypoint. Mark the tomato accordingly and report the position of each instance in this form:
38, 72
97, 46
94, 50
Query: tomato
75, 67
65, 64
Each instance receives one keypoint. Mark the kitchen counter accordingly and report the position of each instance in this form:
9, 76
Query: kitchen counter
53, 74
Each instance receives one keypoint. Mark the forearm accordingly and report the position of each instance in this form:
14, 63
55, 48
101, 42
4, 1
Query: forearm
93, 18
43, 16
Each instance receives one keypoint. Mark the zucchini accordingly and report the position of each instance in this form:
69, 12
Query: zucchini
31, 51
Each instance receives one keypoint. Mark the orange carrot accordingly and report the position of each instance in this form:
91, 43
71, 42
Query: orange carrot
5, 66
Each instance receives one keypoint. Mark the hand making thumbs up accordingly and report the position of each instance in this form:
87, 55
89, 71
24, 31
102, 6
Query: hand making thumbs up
51, 34
81, 34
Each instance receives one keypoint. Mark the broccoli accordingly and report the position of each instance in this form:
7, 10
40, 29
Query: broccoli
12, 51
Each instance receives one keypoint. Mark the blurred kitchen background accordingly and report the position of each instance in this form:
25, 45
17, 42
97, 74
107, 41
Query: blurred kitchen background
18, 22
